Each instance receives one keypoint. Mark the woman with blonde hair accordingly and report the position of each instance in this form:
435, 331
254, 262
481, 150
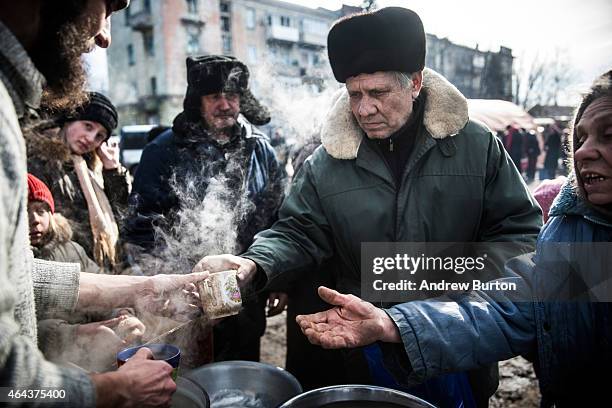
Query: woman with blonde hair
71, 156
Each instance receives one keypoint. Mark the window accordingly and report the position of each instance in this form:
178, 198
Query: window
225, 24
252, 53
285, 55
269, 20
147, 6
224, 6
227, 43
285, 21
153, 86
130, 53
192, 6
315, 26
148, 42
438, 61
250, 18
479, 61
193, 42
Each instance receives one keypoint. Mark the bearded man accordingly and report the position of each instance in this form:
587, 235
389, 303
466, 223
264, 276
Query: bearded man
208, 184
41, 42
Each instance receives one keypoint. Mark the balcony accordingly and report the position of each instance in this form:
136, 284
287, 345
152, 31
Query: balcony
282, 33
141, 21
313, 39
192, 20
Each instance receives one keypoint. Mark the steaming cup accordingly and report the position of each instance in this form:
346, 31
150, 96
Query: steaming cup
167, 352
220, 295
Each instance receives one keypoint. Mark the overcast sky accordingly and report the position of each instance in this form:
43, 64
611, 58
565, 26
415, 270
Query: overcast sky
580, 29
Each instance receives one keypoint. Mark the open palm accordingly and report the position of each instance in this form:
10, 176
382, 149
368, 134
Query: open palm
351, 323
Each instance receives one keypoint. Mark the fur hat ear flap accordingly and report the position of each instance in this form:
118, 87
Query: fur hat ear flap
253, 110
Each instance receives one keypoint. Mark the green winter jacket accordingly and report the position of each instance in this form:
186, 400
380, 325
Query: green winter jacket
459, 185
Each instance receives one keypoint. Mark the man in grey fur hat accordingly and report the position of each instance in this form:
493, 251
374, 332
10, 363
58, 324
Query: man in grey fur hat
213, 142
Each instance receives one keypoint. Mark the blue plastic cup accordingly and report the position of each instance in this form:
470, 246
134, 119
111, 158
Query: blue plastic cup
167, 352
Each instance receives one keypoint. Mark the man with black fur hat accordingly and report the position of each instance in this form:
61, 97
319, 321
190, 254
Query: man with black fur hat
213, 138
400, 161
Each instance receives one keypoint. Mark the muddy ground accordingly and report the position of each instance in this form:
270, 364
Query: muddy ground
518, 386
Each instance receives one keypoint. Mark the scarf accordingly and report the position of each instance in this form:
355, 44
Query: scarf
103, 226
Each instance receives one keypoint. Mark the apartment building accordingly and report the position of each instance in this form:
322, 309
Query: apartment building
152, 38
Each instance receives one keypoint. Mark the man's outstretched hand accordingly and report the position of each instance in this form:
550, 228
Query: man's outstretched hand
245, 268
351, 323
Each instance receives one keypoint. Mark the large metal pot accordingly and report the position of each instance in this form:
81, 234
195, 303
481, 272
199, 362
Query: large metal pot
189, 395
356, 396
245, 384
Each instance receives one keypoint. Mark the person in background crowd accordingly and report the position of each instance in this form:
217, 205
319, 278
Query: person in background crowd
156, 131
214, 138
546, 192
90, 186
552, 147
41, 43
400, 161
513, 142
532, 149
566, 330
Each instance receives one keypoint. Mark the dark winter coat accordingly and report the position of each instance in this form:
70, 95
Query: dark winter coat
532, 145
179, 162
174, 174
458, 186
568, 340
50, 160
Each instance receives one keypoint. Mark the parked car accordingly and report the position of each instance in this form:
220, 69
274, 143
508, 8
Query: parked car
133, 139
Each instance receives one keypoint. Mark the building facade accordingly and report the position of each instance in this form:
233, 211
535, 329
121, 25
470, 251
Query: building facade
477, 74
152, 38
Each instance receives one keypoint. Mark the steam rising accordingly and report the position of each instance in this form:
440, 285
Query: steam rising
298, 109
212, 208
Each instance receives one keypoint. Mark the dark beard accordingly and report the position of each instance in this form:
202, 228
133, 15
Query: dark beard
63, 37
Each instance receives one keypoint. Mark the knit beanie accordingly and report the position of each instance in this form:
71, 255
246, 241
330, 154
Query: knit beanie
38, 191
98, 108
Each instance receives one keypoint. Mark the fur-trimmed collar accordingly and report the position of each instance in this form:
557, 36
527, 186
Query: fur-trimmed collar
46, 145
445, 114
570, 202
